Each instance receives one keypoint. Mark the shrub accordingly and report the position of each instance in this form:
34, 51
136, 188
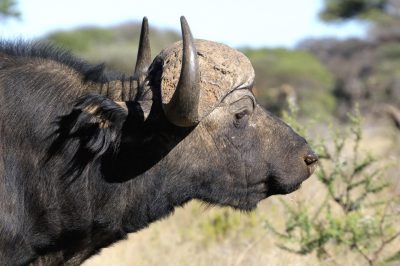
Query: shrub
357, 212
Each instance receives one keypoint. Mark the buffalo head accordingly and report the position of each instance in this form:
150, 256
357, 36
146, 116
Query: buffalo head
203, 124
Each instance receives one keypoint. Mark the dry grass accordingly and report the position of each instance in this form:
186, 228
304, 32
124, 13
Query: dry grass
188, 236
180, 240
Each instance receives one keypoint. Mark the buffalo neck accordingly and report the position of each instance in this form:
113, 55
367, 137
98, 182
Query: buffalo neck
154, 195
147, 180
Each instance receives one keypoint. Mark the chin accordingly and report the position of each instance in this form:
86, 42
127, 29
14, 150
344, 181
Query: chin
251, 202
246, 207
247, 204
276, 188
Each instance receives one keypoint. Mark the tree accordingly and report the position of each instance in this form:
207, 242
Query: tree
353, 9
383, 16
8, 9
370, 10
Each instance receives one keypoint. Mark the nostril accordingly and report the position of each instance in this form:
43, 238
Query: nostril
310, 158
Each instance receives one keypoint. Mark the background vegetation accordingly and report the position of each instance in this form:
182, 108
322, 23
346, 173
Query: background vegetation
8, 10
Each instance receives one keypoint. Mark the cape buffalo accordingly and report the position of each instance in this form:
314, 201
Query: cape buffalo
87, 157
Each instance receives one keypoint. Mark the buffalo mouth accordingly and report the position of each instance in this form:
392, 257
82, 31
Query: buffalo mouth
261, 191
277, 187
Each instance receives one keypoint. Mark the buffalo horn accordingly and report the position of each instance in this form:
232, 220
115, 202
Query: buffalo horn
143, 60
182, 110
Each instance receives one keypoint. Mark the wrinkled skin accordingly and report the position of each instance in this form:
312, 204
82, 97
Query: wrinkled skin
244, 154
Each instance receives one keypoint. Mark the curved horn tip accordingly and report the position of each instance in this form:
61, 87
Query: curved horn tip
144, 31
185, 26
145, 22
144, 54
183, 19
182, 110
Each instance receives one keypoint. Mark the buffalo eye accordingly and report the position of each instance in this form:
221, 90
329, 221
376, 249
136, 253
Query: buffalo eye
241, 111
241, 118
241, 114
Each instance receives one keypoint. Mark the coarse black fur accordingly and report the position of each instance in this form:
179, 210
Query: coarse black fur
79, 172
96, 123
60, 153
47, 51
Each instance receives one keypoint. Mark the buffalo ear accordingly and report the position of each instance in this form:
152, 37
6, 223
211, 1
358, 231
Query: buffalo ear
98, 123
93, 128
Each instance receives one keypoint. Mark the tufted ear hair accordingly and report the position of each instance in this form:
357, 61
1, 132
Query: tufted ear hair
98, 123
93, 128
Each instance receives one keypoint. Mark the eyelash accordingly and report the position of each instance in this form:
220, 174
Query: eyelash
241, 114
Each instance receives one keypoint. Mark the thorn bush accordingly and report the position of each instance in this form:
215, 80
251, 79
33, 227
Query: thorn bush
358, 212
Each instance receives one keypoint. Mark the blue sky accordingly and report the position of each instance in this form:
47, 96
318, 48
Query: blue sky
238, 23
